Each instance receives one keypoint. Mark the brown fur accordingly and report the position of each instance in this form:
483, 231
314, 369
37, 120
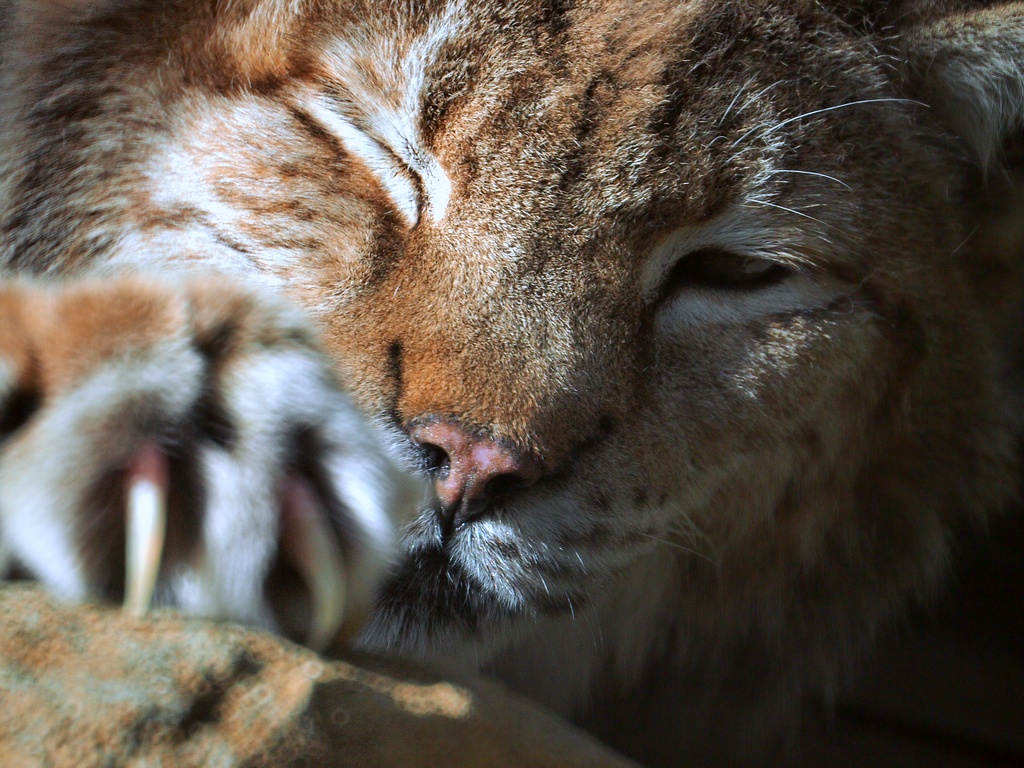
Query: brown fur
738, 485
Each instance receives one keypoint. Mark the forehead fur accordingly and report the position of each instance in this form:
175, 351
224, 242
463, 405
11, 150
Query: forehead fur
681, 95
592, 117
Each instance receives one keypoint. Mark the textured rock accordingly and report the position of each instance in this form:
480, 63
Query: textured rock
88, 686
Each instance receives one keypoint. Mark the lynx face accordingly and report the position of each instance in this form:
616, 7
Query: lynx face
680, 307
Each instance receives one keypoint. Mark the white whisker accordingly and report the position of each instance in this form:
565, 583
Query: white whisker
677, 545
965, 241
813, 112
752, 99
733, 102
788, 210
810, 173
823, 110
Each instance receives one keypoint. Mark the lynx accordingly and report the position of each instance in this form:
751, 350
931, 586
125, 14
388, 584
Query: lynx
694, 320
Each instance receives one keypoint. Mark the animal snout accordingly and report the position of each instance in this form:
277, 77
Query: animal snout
467, 467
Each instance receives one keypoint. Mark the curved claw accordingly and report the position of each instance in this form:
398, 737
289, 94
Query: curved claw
145, 527
310, 546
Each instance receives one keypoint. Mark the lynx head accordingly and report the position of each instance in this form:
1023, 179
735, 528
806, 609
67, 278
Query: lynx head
699, 298
684, 283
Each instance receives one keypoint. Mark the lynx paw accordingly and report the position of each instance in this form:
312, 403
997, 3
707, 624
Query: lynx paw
186, 445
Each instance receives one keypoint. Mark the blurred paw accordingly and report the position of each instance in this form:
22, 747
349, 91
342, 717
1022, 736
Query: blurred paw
197, 427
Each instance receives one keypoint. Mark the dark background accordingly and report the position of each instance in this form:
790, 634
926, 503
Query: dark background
947, 688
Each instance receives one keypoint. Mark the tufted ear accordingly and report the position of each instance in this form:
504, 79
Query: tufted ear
968, 67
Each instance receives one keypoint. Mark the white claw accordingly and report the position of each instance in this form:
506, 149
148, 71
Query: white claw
310, 546
146, 526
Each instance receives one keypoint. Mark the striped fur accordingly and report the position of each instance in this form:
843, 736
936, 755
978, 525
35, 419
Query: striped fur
740, 279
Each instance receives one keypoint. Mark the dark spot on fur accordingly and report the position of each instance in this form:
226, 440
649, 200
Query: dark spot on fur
450, 78
204, 712
639, 497
216, 344
16, 411
601, 431
291, 170
591, 105
172, 218
267, 86
214, 422
230, 242
396, 375
386, 244
664, 119
555, 17
505, 549
217, 341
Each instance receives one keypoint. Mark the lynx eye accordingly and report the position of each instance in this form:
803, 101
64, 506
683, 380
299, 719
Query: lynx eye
723, 270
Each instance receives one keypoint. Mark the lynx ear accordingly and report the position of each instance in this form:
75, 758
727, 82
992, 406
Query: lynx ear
969, 68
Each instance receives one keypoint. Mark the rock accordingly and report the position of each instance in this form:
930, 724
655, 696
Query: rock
84, 686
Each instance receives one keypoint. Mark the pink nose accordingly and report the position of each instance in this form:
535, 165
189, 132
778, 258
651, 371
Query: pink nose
467, 465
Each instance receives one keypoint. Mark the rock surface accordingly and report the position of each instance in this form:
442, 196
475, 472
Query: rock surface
89, 686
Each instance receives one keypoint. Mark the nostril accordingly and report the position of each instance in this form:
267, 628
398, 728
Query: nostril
434, 460
467, 465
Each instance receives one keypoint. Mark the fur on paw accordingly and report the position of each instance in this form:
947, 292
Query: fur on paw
201, 423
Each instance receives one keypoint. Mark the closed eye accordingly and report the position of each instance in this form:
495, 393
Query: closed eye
718, 269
